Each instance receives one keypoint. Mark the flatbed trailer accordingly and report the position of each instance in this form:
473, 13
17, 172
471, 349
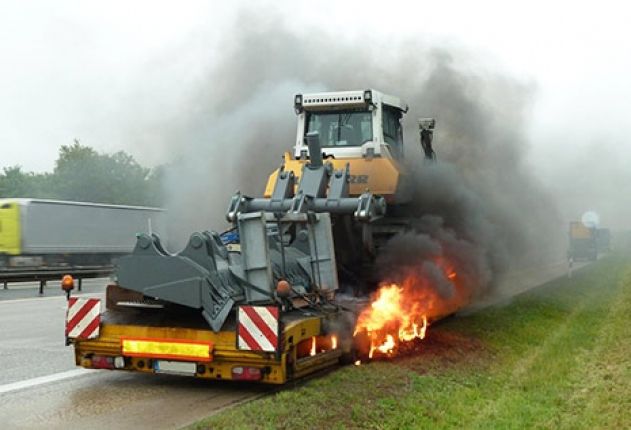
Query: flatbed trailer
155, 341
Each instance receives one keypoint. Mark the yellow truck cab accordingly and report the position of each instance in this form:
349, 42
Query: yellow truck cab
9, 227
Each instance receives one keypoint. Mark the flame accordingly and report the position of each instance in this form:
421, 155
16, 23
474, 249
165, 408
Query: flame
333, 342
313, 346
388, 322
387, 347
416, 332
400, 312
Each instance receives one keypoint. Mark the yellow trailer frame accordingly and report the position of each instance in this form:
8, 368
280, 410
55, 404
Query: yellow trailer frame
303, 334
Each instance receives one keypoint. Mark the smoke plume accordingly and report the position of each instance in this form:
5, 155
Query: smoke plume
480, 207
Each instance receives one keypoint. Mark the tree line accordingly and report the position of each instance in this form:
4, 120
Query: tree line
83, 174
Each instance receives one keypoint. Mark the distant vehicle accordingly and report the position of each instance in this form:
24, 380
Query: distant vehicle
583, 242
603, 239
52, 233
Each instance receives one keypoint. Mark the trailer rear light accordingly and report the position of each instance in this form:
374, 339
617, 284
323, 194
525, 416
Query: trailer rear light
102, 362
167, 349
246, 373
119, 362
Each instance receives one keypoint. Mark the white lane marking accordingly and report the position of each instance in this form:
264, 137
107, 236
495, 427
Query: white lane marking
28, 383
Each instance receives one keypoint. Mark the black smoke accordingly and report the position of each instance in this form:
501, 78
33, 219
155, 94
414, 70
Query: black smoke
480, 206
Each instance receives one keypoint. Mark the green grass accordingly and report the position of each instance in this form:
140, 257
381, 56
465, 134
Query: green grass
558, 356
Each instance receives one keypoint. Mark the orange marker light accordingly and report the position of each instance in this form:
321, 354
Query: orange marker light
67, 283
283, 288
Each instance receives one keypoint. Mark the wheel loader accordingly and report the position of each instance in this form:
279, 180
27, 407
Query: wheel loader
259, 302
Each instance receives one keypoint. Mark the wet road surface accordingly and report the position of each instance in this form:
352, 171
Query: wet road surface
40, 387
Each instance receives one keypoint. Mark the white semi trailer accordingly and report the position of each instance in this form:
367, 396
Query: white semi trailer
35, 232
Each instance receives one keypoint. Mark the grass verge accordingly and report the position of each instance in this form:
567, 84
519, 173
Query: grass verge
555, 357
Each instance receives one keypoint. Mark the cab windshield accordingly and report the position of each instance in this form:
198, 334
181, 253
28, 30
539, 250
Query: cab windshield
347, 128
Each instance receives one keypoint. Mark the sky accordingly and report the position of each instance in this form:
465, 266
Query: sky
113, 74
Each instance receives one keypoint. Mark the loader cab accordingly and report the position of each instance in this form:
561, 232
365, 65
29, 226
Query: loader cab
351, 124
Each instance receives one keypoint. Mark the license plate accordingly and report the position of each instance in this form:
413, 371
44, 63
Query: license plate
174, 367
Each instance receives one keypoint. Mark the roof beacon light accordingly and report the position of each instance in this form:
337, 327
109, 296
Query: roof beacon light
67, 284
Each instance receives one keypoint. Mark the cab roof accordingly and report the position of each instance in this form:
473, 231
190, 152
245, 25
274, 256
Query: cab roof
350, 99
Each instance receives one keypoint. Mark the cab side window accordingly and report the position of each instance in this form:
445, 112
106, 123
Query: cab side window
392, 132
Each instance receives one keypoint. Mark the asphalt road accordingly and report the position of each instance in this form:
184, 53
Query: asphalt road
40, 387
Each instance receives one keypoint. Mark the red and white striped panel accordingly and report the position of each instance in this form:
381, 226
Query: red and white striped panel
258, 328
83, 318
